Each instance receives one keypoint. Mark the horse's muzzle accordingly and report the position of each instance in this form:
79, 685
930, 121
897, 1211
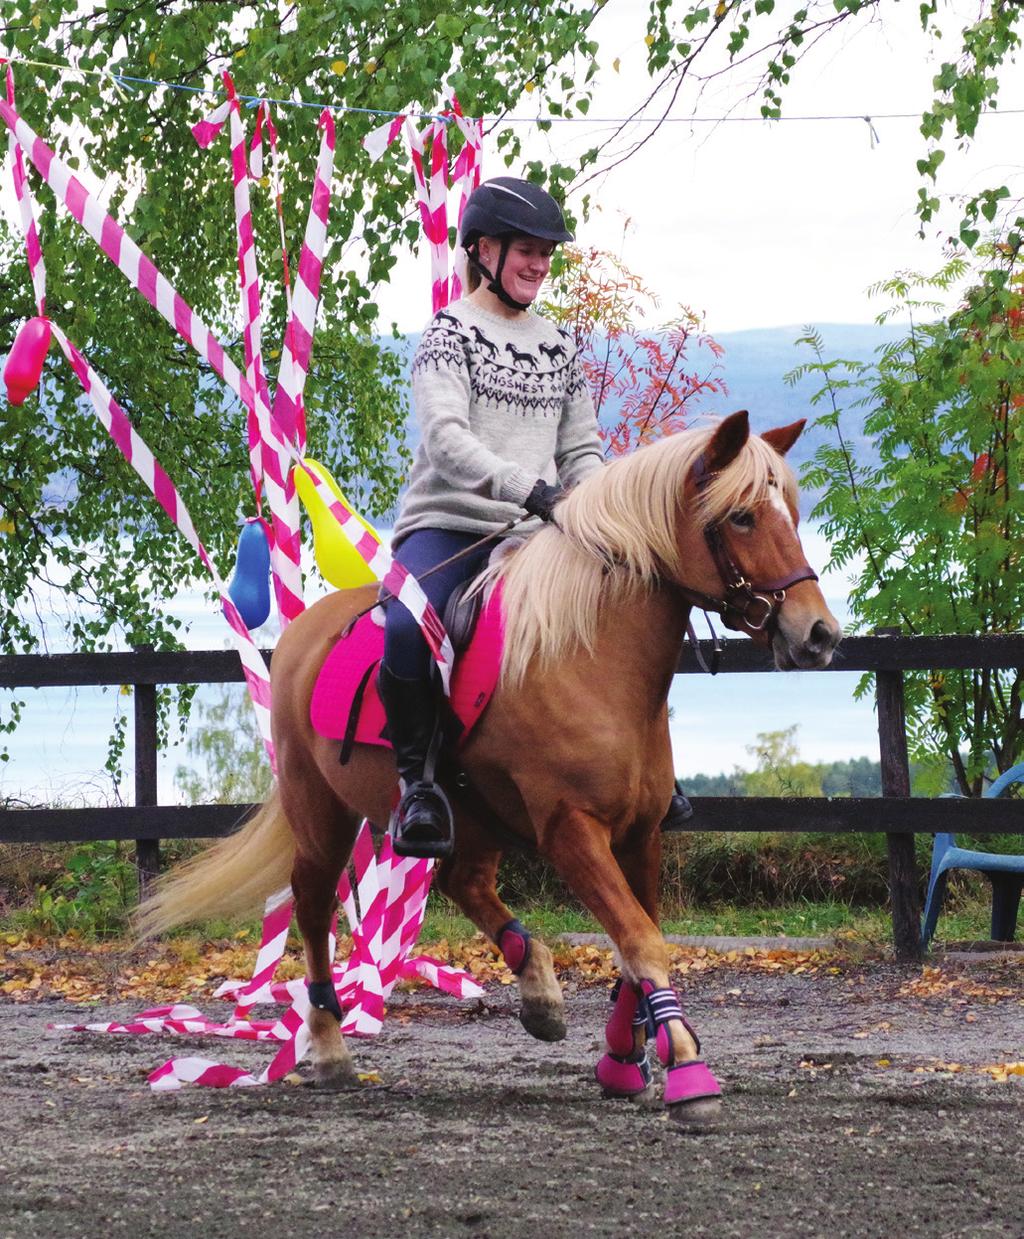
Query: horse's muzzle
809, 652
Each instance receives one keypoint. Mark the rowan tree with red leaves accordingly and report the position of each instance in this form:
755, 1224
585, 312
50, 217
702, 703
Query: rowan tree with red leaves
639, 375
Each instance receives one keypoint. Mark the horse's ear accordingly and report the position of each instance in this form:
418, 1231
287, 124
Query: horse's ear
728, 441
782, 438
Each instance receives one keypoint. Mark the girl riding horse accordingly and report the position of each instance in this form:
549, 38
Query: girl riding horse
500, 432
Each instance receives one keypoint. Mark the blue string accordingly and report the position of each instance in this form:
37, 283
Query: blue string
252, 101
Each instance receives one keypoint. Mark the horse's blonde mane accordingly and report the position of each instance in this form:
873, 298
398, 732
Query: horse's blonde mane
616, 536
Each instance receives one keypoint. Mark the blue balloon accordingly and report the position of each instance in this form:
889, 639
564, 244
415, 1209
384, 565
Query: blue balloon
250, 586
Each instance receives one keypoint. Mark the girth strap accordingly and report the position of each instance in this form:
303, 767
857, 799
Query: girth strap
353, 715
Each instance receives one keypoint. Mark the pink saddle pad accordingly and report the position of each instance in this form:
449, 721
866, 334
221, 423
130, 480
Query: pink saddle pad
351, 669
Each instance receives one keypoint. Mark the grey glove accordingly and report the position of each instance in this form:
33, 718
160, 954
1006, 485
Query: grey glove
542, 499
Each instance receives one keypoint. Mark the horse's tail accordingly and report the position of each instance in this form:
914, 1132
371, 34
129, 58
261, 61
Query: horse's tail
231, 878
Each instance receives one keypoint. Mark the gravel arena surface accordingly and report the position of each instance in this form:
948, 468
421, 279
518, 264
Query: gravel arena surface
476, 1130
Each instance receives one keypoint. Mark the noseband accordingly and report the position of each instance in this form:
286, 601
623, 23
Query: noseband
745, 606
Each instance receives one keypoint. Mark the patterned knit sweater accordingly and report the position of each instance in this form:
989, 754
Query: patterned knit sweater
500, 403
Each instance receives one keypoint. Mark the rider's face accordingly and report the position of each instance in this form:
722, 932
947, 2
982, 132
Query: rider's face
526, 264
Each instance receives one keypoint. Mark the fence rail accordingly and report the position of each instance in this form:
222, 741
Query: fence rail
896, 814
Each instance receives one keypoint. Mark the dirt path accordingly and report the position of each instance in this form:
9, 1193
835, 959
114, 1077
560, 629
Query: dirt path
479, 1131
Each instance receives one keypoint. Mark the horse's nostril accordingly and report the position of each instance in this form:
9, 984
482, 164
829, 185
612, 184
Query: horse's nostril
821, 636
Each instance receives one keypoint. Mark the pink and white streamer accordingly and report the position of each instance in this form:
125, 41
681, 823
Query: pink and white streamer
377, 141
391, 892
432, 184
137, 453
432, 197
298, 341
384, 902
266, 456
466, 175
36, 266
144, 276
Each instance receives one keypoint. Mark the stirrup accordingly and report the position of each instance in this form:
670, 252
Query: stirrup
422, 823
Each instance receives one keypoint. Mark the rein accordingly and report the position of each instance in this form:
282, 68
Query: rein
386, 596
746, 605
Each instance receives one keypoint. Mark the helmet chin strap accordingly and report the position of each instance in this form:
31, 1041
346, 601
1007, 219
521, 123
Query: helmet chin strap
494, 281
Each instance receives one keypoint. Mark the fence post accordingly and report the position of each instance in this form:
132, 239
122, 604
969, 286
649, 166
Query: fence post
895, 766
147, 851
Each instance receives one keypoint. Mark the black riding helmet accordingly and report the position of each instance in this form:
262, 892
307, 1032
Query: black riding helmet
506, 207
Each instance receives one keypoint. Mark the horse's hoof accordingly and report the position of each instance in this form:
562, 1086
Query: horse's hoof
335, 1077
544, 1021
702, 1112
648, 1098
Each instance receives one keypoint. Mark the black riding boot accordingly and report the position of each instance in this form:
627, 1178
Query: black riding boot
679, 812
422, 823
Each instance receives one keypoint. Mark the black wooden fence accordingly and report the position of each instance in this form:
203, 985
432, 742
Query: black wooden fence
896, 814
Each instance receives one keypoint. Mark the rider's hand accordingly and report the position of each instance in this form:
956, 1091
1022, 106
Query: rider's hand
542, 499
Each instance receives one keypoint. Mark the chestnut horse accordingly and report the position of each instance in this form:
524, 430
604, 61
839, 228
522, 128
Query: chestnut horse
572, 755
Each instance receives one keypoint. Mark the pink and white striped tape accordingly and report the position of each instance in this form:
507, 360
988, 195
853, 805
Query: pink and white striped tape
466, 174
277, 917
298, 342
137, 453
396, 891
23, 195
392, 895
432, 186
270, 459
432, 196
156, 289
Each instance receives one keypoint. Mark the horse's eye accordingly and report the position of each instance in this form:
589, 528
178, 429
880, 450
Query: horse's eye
743, 519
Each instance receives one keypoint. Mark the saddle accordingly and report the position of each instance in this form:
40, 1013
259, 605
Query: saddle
345, 705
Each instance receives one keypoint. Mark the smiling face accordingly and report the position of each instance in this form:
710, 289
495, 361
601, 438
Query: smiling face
526, 264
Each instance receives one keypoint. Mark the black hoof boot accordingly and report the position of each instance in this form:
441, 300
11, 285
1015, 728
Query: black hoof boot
679, 812
422, 823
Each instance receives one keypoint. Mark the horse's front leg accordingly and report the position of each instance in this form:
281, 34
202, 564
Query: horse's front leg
579, 847
469, 877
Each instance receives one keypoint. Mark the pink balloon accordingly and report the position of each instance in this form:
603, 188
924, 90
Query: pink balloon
24, 364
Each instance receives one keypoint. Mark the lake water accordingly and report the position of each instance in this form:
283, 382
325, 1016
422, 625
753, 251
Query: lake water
59, 749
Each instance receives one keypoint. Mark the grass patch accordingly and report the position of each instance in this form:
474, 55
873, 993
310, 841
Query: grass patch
712, 886
967, 919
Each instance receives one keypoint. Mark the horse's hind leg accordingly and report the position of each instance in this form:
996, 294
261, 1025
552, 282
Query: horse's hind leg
469, 877
579, 848
325, 830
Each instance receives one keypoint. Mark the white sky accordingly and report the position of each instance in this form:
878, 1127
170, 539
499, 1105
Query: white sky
761, 224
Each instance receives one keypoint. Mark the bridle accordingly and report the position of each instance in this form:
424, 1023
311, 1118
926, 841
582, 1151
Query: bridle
745, 606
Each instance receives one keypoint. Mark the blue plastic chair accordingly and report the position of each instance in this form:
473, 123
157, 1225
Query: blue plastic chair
1006, 873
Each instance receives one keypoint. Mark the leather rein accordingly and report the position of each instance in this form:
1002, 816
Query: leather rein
745, 606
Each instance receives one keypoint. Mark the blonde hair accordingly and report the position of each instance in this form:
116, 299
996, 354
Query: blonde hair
616, 536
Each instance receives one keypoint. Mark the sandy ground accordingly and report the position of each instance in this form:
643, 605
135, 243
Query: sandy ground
476, 1130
